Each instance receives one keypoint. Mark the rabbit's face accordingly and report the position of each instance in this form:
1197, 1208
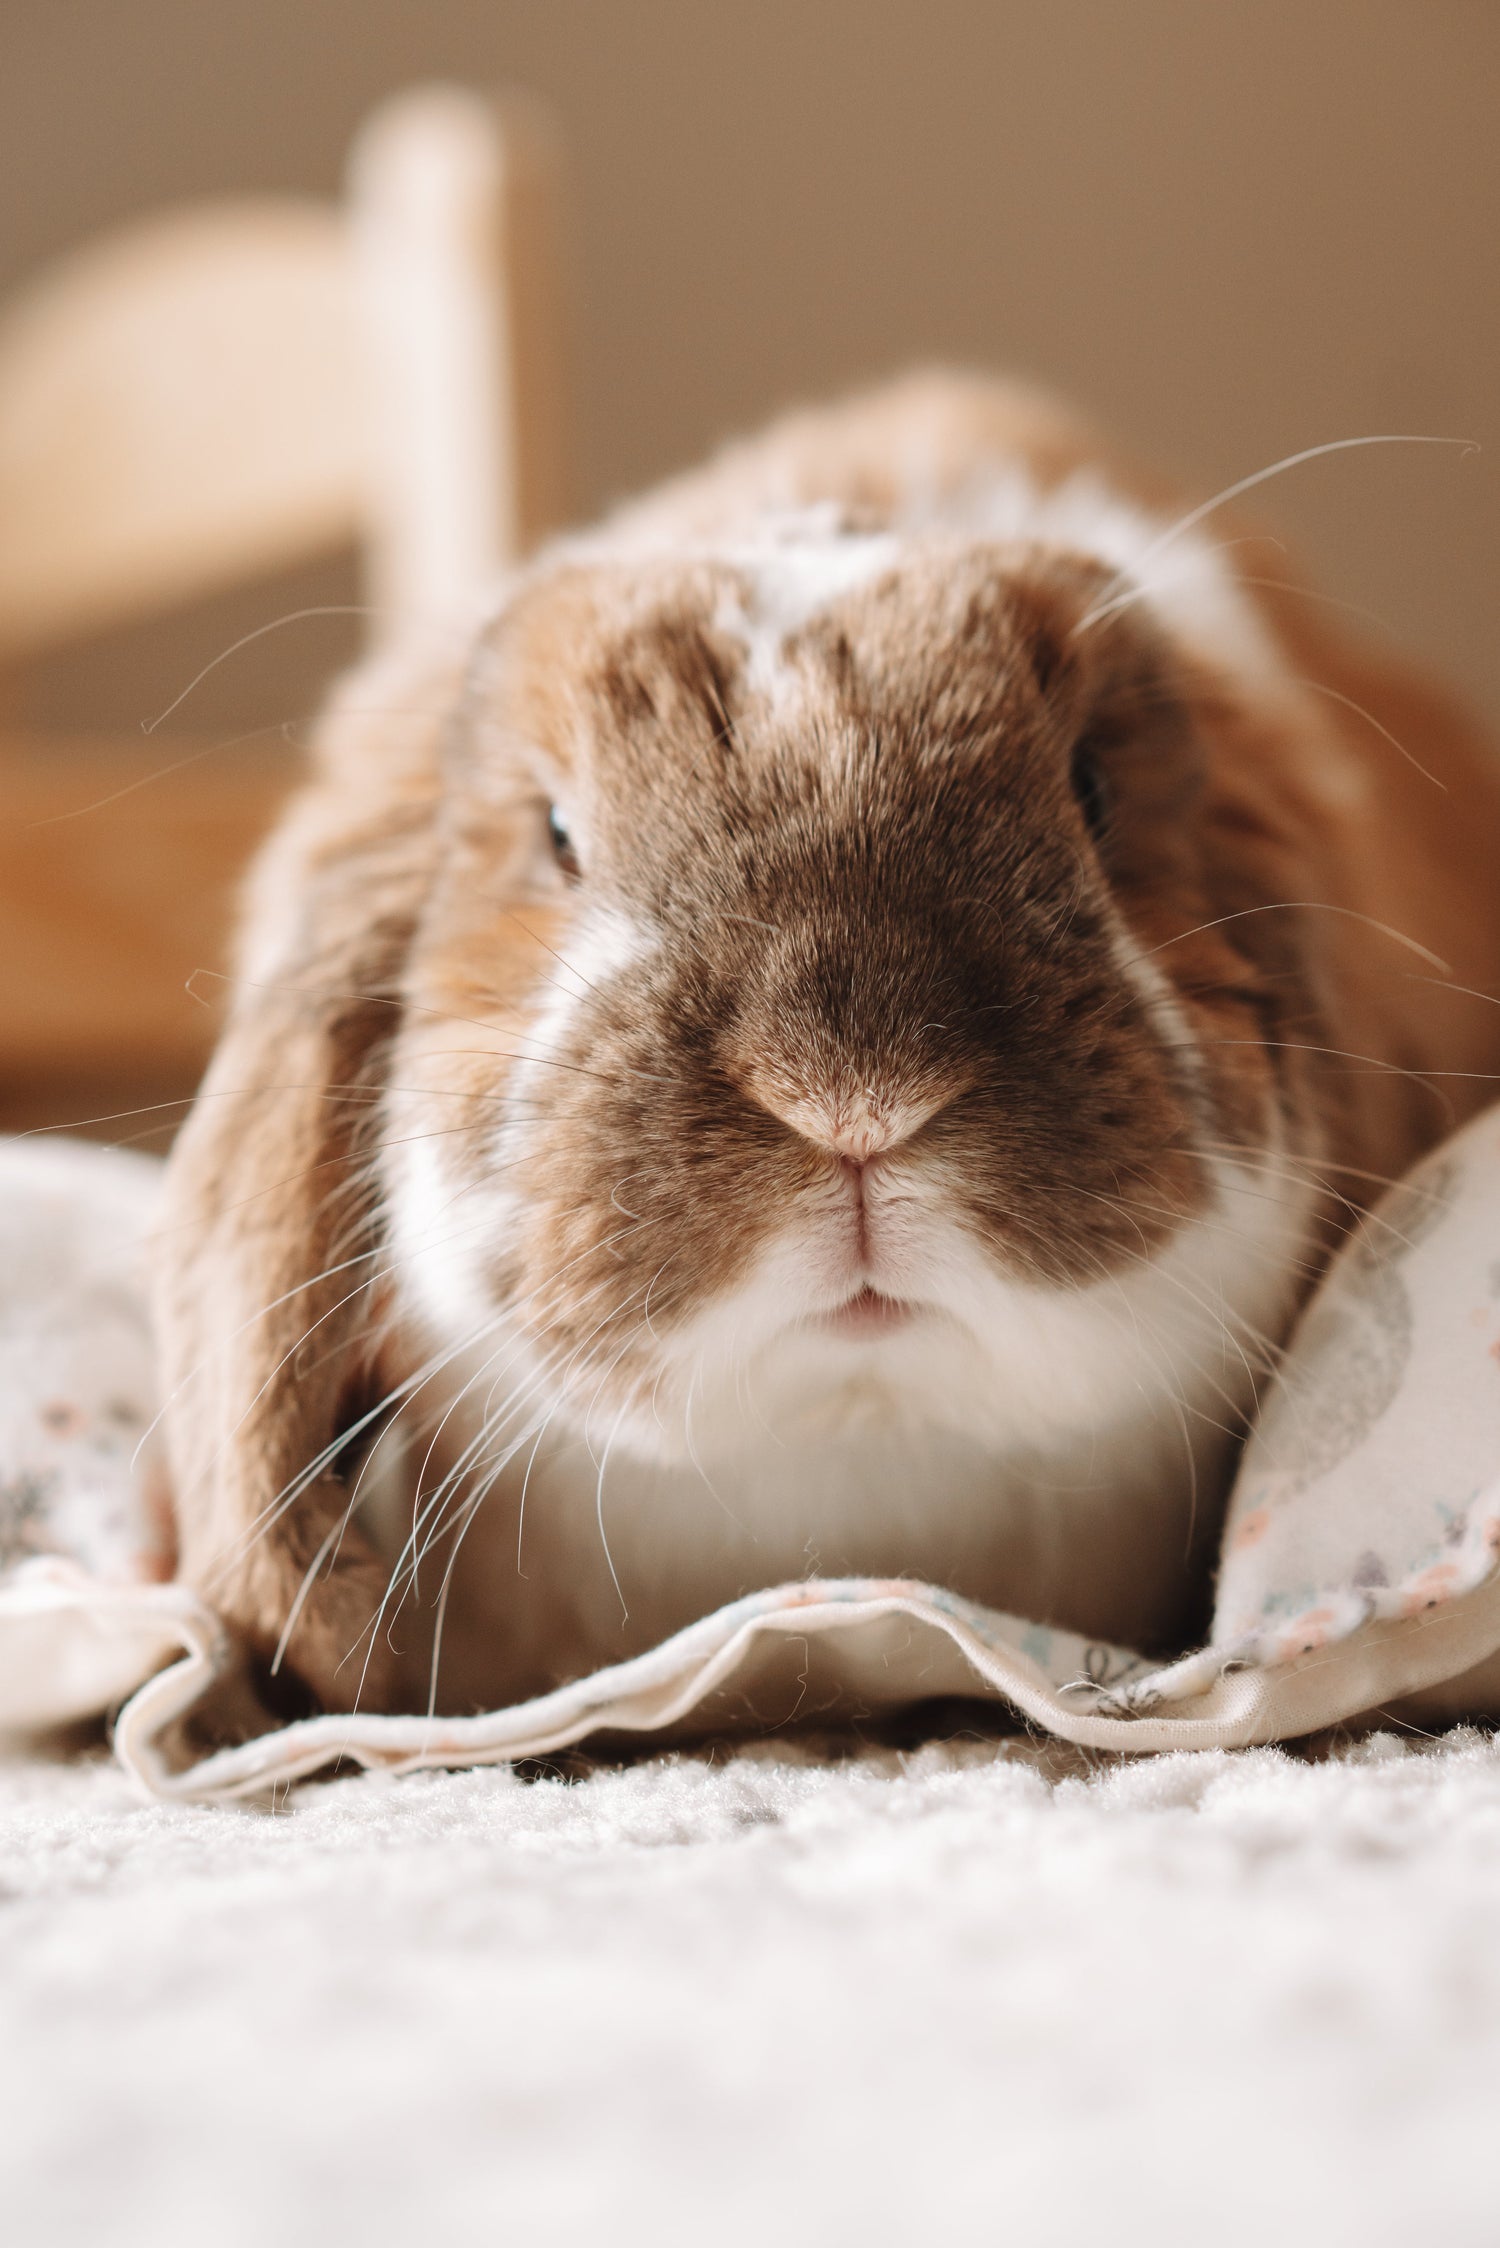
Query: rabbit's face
816, 1009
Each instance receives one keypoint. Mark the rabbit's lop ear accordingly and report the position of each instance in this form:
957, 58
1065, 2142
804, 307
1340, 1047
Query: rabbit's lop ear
270, 1263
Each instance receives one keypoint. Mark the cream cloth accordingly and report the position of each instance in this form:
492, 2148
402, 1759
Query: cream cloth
1359, 1561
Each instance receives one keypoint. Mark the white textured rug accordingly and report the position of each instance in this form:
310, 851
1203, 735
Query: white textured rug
981, 1990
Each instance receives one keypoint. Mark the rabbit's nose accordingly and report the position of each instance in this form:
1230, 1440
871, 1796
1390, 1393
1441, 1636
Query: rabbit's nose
856, 1125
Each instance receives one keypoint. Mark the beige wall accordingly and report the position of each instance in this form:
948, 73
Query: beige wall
1235, 227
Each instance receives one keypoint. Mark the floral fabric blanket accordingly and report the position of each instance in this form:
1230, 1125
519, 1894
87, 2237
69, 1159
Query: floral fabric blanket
1360, 1565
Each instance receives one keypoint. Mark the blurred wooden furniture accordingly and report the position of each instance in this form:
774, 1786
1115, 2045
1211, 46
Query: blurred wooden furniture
205, 398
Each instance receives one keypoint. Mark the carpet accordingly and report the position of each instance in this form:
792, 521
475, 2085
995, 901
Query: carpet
990, 1989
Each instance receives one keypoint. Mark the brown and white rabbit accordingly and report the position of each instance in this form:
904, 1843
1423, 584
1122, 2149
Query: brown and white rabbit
829, 1033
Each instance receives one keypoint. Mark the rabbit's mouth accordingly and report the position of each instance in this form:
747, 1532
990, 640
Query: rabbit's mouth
868, 1315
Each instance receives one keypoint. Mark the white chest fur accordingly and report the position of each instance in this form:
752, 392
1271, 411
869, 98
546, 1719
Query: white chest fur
1058, 1454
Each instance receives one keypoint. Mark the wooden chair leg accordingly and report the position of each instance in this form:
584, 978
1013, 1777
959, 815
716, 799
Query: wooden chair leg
453, 206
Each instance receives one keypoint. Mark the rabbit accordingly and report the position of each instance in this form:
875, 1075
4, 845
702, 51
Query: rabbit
828, 1028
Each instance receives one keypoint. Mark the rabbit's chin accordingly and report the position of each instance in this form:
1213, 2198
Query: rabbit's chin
1055, 1452
807, 1349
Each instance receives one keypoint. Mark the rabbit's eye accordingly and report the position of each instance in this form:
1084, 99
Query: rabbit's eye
562, 844
1091, 789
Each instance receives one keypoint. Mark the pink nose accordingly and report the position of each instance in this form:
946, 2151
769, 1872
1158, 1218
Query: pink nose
856, 1126
857, 1138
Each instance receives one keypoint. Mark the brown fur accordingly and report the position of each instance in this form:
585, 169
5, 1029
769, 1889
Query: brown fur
881, 906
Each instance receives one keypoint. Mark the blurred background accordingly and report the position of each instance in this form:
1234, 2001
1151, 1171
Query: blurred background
1231, 231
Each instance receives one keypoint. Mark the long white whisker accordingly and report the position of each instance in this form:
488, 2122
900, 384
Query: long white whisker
1109, 602
1304, 905
273, 624
1321, 687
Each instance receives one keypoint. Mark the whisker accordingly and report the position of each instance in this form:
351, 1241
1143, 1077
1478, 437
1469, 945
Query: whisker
273, 624
1321, 687
1312, 593
281, 726
1303, 905
410, 1006
1110, 602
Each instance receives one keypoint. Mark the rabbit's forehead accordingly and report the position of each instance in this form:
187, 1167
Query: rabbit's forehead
686, 669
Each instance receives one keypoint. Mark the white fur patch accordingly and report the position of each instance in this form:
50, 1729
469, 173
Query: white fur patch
601, 946
441, 1226
1184, 578
804, 562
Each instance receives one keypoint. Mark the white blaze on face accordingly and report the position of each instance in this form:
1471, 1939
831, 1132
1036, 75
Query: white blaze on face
801, 565
600, 947
447, 1220
443, 1223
